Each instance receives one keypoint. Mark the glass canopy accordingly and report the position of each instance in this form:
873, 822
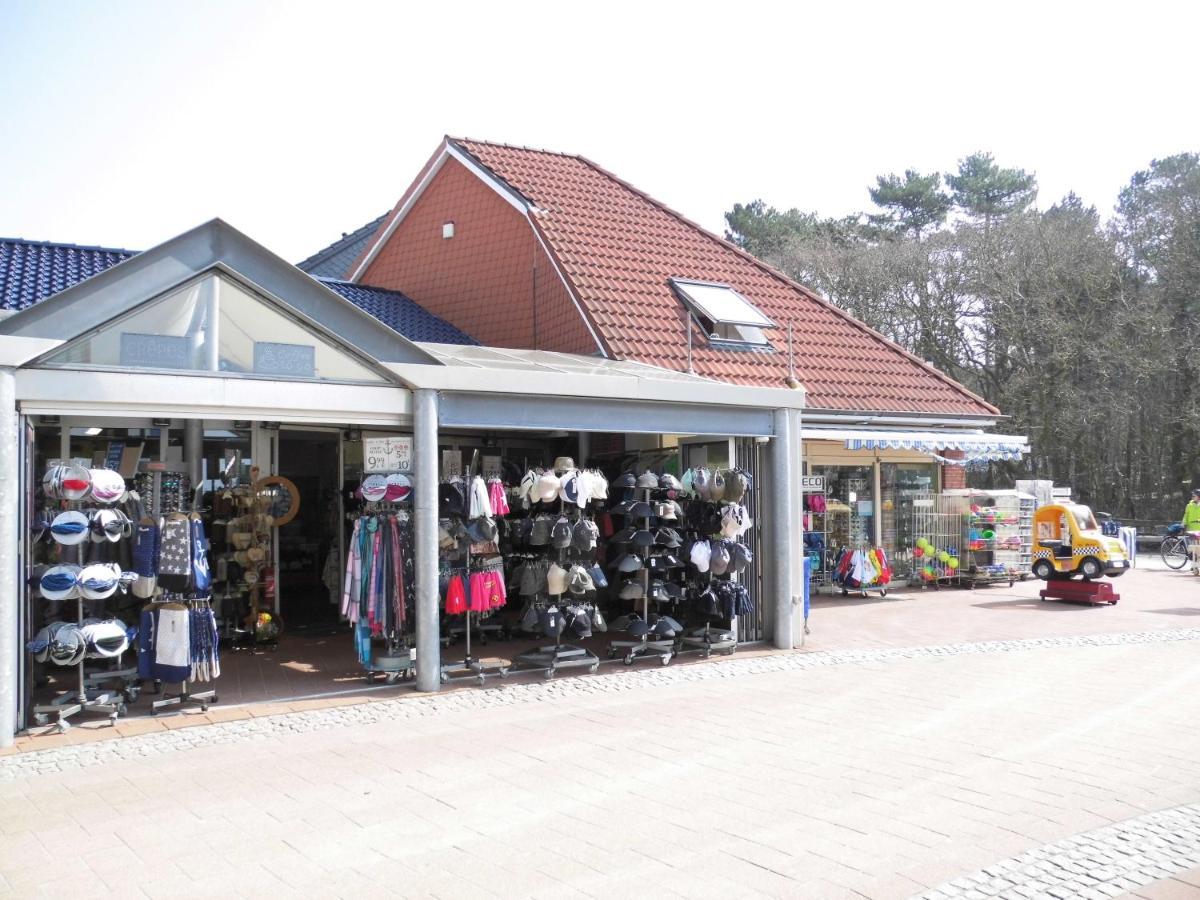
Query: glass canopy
214, 325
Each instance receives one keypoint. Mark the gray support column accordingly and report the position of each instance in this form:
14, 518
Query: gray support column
193, 449
425, 532
10, 556
785, 527
585, 448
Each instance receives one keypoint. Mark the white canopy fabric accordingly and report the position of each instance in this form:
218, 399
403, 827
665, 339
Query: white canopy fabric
977, 446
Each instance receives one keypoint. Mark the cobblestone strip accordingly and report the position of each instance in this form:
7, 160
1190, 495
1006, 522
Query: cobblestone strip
36, 762
1107, 862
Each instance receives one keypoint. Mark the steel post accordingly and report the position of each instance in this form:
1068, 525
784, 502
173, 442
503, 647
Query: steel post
425, 531
10, 557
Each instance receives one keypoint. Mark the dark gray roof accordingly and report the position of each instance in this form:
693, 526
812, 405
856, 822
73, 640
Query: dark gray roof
399, 313
334, 260
30, 271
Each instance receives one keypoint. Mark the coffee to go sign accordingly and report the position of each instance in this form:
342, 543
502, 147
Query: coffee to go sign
387, 454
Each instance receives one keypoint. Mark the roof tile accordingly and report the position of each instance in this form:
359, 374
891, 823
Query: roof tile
619, 247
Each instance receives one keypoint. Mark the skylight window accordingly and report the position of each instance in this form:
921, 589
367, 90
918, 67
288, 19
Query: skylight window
723, 313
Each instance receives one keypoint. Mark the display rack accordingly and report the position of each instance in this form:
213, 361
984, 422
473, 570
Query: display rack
397, 661
816, 547
938, 522
644, 646
995, 539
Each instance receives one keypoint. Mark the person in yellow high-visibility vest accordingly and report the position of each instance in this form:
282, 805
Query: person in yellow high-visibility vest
1191, 523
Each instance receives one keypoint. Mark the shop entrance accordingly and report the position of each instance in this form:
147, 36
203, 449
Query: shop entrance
309, 546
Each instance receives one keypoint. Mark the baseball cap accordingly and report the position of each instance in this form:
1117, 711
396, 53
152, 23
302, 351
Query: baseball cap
539, 535
580, 581
740, 556
560, 536
630, 562
556, 579
482, 530
641, 510
569, 488
585, 535
546, 488
581, 622
625, 480
624, 536
551, 622
719, 557
668, 537
669, 482
632, 590
647, 480
701, 555
642, 538
716, 488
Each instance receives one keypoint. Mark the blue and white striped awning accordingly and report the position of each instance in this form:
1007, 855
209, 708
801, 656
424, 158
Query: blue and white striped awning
977, 446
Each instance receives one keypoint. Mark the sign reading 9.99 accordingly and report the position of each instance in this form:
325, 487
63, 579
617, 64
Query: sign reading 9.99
387, 454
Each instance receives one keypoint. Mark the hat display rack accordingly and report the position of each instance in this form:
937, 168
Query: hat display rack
718, 522
385, 502
87, 500
471, 665
652, 636
178, 635
550, 658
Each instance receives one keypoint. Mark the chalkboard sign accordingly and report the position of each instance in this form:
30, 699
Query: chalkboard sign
387, 454
155, 351
290, 360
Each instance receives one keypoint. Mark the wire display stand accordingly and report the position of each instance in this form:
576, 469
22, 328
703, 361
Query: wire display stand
936, 552
644, 646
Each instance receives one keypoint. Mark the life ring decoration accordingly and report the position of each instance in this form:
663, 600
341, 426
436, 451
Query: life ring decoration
278, 497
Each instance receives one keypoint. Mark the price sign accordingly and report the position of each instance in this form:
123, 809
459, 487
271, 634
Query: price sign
387, 454
451, 463
491, 467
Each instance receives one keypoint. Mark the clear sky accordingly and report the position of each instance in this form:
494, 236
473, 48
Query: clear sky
125, 123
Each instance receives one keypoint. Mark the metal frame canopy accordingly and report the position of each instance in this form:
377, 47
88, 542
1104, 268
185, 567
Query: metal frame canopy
498, 388
976, 444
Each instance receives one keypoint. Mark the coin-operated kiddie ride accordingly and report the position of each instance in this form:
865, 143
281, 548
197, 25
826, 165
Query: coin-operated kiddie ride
1072, 555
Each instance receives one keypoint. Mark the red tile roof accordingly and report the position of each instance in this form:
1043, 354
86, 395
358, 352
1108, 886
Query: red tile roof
617, 247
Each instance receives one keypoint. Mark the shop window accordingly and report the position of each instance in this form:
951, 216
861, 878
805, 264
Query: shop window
849, 505
723, 313
213, 324
899, 483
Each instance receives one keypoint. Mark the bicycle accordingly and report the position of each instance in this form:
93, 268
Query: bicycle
1174, 548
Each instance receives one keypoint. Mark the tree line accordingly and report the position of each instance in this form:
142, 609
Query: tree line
1083, 330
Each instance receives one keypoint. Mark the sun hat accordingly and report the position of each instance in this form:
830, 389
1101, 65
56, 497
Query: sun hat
374, 488
625, 480
74, 482
107, 486
109, 525
632, 590
51, 482
563, 464
701, 555
630, 562
580, 580
67, 646
106, 639
647, 480
99, 580
70, 527
59, 582
560, 535
556, 579
398, 487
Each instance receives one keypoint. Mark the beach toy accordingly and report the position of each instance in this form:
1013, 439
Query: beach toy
952, 563
918, 551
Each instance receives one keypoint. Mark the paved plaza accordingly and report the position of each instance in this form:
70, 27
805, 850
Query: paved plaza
1016, 750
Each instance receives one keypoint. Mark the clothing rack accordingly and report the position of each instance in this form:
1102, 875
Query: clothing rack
398, 659
171, 493
469, 664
